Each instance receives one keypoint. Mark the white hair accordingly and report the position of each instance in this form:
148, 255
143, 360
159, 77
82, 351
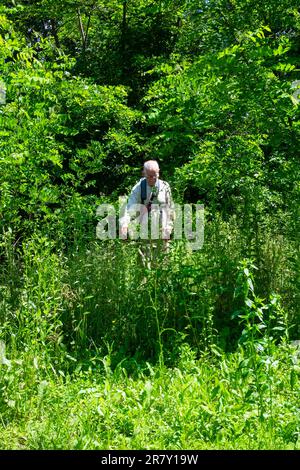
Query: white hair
151, 165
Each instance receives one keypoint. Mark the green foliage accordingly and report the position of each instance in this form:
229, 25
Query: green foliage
261, 321
88, 91
224, 117
59, 133
211, 403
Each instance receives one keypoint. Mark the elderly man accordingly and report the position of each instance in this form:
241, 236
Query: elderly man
151, 198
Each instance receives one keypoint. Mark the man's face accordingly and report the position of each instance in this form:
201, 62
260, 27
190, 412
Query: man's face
151, 176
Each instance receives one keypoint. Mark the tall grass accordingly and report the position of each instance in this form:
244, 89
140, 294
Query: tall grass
100, 293
190, 352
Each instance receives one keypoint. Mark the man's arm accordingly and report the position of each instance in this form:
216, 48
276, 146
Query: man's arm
134, 198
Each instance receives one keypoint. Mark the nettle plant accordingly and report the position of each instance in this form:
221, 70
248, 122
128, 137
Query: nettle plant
264, 325
261, 320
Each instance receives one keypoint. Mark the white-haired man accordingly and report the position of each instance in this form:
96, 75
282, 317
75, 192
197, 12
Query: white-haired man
151, 197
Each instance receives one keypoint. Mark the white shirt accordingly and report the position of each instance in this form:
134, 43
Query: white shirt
162, 205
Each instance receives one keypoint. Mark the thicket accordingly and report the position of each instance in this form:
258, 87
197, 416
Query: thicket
90, 89
204, 88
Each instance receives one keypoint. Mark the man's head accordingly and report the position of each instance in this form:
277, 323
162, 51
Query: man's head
151, 172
